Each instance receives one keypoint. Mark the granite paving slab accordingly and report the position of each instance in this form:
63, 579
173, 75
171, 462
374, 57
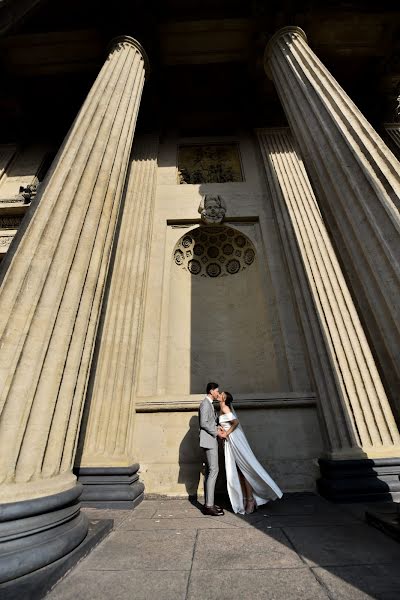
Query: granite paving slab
313, 520
118, 516
243, 549
129, 585
153, 550
365, 582
270, 584
177, 524
298, 548
343, 545
178, 513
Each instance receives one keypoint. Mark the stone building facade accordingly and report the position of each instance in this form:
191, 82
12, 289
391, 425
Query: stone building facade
191, 192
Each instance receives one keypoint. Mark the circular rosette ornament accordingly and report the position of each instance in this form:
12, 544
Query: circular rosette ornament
194, 267
213, 252
213, 270
249, 256
233, 266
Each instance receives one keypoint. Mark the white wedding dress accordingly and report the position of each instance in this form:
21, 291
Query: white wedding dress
238, 454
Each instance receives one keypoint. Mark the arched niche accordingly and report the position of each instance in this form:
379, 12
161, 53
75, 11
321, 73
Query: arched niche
218, 323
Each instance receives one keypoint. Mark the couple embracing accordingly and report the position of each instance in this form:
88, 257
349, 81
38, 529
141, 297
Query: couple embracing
248, 483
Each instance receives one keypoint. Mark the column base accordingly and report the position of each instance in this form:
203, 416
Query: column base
110, 487
36, 585
364, 480
36, 533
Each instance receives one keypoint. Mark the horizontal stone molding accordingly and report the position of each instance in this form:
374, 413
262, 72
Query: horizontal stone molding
242, 402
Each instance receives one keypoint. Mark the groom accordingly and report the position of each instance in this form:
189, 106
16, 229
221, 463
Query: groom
208, 441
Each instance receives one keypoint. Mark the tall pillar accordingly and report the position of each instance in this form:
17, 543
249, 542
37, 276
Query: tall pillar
50, 298
106, 466
357, 180
355, 411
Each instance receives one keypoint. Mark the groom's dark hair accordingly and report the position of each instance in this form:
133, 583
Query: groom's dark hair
211, 386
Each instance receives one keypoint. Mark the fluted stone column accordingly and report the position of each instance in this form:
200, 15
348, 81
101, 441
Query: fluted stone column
106, 465
357, 180
355, 411
50, 298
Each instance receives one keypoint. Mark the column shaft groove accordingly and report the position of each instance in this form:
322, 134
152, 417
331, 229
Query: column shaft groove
356, 397
357, 179
111, 406
53, 285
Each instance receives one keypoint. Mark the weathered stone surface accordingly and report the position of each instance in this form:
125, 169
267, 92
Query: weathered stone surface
166, 550
269, 584
107, 437
144, 584
224, 550
238, 562
340, 545
357, 180
50, 299
357, 416
364, 582
53, 283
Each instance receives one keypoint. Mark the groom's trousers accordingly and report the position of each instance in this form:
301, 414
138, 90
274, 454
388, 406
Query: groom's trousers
211, 474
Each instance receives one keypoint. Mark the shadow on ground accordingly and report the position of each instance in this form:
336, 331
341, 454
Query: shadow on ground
300, 547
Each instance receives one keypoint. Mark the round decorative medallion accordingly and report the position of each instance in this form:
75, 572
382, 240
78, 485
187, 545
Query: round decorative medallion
194, 267
187, 241
179, 258
214, 251
249, 256
198, 250
213, 270
240, 241
227, 249
233, 266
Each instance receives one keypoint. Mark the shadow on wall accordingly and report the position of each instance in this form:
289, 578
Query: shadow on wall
192, 463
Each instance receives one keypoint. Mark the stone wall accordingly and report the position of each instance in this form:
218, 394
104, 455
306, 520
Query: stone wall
286, 440
240, 329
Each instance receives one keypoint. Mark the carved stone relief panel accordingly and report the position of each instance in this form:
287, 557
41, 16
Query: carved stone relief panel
209, 163
214, 252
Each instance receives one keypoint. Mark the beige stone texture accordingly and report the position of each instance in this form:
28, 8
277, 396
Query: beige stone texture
19, 168
182, 313
109, 422
167, 444
53, 283
242, 330
357, 181
7, 152
353, 402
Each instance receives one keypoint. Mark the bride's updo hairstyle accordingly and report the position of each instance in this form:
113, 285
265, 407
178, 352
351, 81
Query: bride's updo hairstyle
228, 399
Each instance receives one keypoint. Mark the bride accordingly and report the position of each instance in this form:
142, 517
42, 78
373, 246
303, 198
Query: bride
249, 485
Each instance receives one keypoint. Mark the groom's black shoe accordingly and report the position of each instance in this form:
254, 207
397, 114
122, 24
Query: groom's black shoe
212, 511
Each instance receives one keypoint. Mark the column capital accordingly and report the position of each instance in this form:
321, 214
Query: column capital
119, 41
291, 30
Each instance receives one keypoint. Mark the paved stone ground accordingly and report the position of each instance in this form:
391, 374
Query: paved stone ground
301, 547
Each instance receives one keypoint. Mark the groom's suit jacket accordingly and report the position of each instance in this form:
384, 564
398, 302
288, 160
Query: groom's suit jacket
208, 425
